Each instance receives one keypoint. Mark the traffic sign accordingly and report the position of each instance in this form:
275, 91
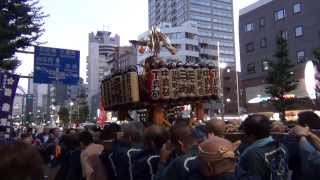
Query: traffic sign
56, 65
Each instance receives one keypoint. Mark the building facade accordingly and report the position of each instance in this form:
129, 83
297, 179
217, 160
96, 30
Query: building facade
214, 18
127, 57
190, 47
260, 23
101, 45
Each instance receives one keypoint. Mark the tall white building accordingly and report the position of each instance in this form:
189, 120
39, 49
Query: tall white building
101, 45
214, 18
190, 47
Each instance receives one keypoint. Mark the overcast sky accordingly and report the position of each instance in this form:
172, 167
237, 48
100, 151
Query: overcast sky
70, 21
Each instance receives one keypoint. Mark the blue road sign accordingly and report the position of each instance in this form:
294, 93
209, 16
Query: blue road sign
56, 65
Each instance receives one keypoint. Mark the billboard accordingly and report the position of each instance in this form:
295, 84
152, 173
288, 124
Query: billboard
53, 65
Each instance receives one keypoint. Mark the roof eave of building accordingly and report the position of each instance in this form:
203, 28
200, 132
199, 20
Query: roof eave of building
253, 6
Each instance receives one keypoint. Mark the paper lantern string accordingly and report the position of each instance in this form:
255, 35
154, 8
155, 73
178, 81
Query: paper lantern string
222, 153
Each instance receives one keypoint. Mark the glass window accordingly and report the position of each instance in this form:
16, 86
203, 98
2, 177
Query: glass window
297, 8
262, 22
203, 2
250, 47
284, 35
251, 68
200, 18
263, 43
265, 65
190, 35
249, 27
204, 25
299, 31
205, 33
300, 57
281, 14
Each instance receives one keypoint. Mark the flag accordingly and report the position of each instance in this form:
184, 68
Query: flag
8, 86
102, 116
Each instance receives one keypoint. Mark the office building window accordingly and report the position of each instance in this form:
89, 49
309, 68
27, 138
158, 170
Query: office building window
263, 43
250, 47
299, 31
251, 68
190, 35
249, 27
297, 8
191, 47
300, 57
281, 14
265, 65
262, 22
284, 35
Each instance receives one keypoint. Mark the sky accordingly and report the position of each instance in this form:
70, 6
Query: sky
70, 21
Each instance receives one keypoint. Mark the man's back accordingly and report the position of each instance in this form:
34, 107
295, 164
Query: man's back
181, 167
265, 160
122, 158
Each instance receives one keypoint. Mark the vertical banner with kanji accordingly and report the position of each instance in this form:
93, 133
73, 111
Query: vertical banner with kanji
8, 86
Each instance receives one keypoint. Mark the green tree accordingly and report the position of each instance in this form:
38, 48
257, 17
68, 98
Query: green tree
64, 115
281, 78
21, 24
83, 114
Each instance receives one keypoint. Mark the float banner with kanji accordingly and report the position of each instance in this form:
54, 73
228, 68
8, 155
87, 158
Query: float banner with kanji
8, 86
56, 65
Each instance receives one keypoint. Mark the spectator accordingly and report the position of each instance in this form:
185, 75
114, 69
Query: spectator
20, 161
26, 138
217, 159
264, 158
184, 142
44, 136
70, 164
92, 167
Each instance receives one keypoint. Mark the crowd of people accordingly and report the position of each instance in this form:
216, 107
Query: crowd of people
255, 149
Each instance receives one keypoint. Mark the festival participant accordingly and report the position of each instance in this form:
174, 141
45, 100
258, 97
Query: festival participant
264, 158
184, 143
309, 150
92, 167
216, 127
292, 143
145, 168
217, 159
109, 139
126, 150
310, 119
20, 161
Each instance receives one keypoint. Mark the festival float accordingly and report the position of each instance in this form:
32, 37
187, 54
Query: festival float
161, 89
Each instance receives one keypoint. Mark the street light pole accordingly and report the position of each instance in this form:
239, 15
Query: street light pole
70, 113
221, 93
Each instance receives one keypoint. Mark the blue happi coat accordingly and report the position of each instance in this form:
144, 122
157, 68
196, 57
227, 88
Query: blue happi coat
266, 159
